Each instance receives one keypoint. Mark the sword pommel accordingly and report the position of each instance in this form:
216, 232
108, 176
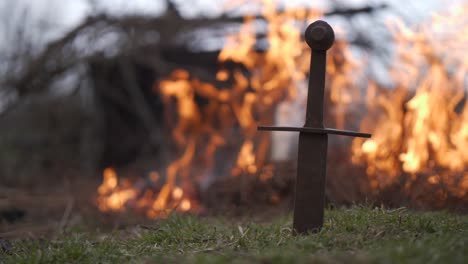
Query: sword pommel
319, 35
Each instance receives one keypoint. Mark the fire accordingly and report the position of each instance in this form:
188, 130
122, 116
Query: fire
177, 193
185, 205
412, 138
113, 198
420, 127
110, 181
241, 102
246, 160
116, 197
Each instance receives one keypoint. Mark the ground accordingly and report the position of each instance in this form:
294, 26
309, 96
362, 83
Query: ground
350, 235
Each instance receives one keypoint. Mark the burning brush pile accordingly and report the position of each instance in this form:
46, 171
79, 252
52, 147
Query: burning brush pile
418, 154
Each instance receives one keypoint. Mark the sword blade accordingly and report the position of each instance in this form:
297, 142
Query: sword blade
310, 183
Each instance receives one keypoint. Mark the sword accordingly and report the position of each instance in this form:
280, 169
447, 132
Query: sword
313, 136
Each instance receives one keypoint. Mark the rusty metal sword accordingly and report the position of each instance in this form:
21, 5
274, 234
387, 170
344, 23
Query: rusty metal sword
313, 137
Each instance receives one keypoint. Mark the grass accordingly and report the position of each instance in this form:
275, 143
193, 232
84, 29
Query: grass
350, 235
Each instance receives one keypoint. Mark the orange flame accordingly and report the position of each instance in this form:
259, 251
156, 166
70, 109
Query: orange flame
423, 140
115, 197
112, 197
275, 76
430, 133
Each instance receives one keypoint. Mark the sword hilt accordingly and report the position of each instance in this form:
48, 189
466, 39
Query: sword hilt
320, 37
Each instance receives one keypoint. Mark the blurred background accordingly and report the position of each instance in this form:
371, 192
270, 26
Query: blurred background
137, 109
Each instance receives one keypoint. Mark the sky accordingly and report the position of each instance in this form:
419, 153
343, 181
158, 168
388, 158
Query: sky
60, 15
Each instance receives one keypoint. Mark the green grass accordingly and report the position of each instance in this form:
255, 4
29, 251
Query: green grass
352, 235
